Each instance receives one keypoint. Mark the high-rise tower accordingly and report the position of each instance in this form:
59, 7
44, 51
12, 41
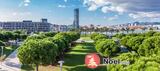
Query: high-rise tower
76, 19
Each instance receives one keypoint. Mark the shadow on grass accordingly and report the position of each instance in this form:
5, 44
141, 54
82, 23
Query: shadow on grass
74, 59
83, 51
27, 68
84, 68
87, 44
78, 53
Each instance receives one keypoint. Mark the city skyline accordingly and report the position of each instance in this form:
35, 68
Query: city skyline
97, 12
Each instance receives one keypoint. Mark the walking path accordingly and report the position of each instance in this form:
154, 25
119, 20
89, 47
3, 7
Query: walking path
11, 63
81, 40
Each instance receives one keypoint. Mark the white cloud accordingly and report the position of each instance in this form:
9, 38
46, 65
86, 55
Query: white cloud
113, 18
92, 8
135, 8
106, 9
141, 15
21, 13
104, 5
62, 6
25, 3
94, 4
65, 0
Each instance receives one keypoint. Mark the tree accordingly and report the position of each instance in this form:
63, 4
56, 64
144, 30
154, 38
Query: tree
107, 47
7, 35
94, 35
124, 40
100, 36
127, 29
135, 42
59, 42
2, 44
48, 34
35, 36
38, 52
111, 30
106, 29
121, 35
150, 46
144, 29
123, 57
132, 30
150, 33
156, 34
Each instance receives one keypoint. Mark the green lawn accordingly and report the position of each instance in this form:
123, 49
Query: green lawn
7, 51
85, 38
74, 60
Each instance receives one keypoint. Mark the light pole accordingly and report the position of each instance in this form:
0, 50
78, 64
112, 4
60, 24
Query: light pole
61, 64
2, 51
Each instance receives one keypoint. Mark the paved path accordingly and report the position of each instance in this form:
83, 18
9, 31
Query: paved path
81, 40
11, 63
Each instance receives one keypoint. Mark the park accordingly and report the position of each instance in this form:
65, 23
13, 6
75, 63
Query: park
43, 51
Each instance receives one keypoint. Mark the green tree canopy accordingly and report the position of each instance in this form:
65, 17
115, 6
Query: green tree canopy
135, 42
38, 52
107, 47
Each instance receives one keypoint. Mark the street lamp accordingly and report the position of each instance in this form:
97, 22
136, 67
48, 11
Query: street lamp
2, 50
61, 64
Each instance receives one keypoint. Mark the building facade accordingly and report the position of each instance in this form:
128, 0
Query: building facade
27, 25
59, 28
76, 19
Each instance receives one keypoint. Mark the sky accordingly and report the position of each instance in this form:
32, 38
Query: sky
97, 12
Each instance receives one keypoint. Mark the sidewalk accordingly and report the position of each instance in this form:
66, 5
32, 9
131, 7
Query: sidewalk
11, 63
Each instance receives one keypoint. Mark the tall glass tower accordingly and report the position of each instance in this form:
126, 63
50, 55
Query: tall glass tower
76, 19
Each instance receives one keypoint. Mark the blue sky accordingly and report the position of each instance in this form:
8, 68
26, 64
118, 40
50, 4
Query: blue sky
103, 12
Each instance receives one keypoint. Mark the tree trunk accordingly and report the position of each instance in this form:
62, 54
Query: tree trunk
36, 67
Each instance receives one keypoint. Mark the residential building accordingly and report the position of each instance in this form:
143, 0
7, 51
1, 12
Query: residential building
59, 28
27, 25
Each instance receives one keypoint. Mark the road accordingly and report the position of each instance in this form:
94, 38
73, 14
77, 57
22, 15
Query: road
11, 63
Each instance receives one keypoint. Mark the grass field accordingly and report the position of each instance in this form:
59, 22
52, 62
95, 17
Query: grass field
85, 38
73, 60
